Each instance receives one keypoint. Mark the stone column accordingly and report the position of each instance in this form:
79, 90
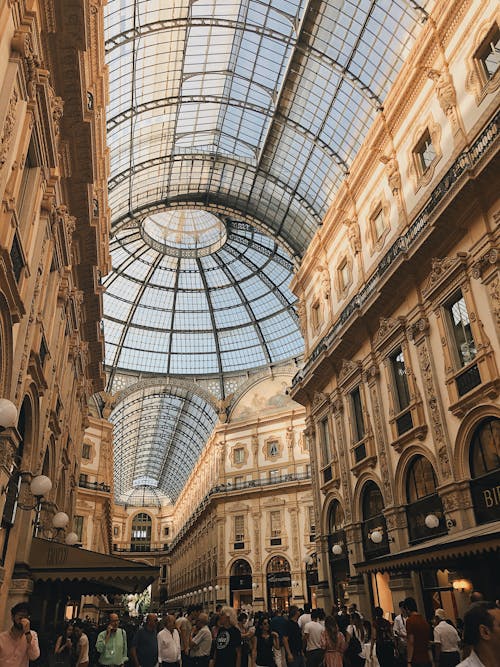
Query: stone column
324, 596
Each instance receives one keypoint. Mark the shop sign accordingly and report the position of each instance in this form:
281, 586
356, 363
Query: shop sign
242, 582
486, 497
279, 579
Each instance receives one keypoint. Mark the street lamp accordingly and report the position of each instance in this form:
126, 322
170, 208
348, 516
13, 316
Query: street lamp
8, 413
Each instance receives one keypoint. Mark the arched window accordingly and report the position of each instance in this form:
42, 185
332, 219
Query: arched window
423, 501
484, 454
240, 567
278, 564
421, 481
484, 460
373, 520
335, 517
141, 532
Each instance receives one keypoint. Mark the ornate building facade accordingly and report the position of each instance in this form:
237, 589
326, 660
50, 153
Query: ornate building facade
54, 227
399, 305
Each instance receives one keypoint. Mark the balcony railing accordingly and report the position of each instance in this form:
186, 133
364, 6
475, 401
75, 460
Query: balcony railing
229, 487
139, 548
466, 161
94, 486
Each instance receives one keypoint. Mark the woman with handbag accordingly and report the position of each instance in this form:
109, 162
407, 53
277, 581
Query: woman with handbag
355, 638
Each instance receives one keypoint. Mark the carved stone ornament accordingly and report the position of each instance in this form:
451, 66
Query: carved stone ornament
443, 269
418, 328
302, 313
354, 235
8, 128
388, 325
324, 281
392, 173
445, 90
348, 368
319, 397
487, 260
57, 106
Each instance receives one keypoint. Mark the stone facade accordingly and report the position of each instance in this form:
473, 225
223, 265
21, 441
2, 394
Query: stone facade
402, 361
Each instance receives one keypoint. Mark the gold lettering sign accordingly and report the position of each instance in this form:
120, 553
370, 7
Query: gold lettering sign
491, 496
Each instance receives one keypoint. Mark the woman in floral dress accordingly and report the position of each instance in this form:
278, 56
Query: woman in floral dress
333, 643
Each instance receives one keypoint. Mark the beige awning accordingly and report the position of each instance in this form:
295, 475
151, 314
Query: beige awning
86, 571
438, 552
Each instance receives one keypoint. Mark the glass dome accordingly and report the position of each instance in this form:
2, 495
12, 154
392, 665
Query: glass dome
144, 496
227, 310
184, 232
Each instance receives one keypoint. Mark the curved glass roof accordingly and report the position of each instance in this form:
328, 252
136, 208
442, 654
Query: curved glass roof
250, 110
158, 437
217, 313
254, 106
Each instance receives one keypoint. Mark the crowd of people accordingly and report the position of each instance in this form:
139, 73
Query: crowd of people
300, 638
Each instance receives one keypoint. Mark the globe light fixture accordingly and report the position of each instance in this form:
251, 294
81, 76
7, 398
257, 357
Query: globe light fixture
71, 539
336, 549
60, 520
431, 521
8, 413
376, 536
40, 486
210, 588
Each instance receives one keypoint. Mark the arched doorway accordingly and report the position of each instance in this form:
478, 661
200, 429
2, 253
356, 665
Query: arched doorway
339, 562
240, 584
140, 538
279, 583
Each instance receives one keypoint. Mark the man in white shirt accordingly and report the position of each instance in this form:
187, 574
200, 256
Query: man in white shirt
200, 642
305, 617
399, 630
482, 632
446, 641
312, 637
169, 644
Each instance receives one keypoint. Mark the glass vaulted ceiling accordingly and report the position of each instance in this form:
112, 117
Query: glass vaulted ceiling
250, 110
250, 105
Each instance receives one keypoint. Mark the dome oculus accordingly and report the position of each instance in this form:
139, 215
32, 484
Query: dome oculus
184, 232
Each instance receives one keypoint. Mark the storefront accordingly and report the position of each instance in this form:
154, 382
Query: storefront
240, 585
279, 584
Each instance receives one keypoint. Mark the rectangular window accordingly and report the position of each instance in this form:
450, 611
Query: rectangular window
163, 574
402, 392
274, 474
459, 324
275, 524
239, 455
488, 54
378, 225
357, 415
325, 441
239, 528
83, 479
238, 481
166, 531
86, 452
116, 530
344, 275
78, 527
425, 152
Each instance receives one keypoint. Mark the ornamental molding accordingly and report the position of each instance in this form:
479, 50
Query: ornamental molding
442, 272
348, 369
388, 328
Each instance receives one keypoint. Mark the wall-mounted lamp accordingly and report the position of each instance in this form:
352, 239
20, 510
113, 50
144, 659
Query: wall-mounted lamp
255, 585
217, 587
376, 536
462, 585
210, 589
205, 589
8, 413
432, 522
337, 549
295, 583
308, 560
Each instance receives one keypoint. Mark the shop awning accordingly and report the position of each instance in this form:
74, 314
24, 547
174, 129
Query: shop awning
438, 552
87, 572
